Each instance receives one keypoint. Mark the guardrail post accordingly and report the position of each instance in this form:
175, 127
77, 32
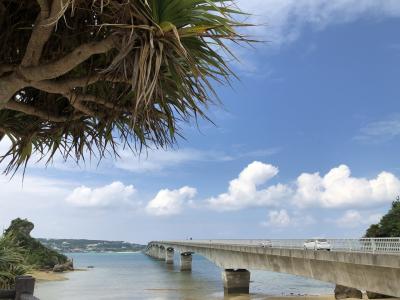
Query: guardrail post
373, 245
24, 285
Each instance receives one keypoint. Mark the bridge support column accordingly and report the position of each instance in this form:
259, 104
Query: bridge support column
236, 281
161, 253
150, 252
186, 261
169, 255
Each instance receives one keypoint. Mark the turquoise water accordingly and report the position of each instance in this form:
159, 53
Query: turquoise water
136, 276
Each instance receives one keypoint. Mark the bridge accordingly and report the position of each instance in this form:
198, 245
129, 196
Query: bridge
365, 264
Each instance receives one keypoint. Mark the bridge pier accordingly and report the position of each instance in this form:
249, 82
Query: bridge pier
169, 255
151, 252
160, 253
236, 281
186, 261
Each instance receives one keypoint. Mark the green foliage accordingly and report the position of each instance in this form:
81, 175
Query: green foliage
36, 255
389, 225
169, 54
12, 261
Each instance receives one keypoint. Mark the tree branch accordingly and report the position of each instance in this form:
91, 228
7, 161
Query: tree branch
32, 111
98, 100
75, 101
70, 61
7, 68
2, 13
9, 85
62, 86
42, 30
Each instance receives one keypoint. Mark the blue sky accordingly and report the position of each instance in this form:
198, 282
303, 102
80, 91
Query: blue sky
305, 144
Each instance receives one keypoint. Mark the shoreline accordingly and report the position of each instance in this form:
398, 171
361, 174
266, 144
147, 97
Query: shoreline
47, 276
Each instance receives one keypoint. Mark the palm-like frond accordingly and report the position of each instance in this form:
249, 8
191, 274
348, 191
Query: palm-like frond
166, 58
12, 262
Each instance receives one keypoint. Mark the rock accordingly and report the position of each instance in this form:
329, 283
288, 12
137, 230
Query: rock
22, 226
343, 292
37, 255
68, 266
372, 295
59, 268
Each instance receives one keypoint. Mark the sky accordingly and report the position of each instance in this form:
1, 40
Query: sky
305, 143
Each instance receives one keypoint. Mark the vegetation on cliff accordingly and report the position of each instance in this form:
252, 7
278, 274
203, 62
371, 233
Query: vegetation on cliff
36, 255
389, 225
12, 262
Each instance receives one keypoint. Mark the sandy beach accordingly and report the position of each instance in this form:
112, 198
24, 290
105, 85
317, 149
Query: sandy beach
48, 276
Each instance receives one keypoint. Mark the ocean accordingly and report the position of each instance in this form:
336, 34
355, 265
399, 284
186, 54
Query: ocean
123, 276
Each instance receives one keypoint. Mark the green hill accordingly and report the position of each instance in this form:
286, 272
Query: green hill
37, 254
83, 245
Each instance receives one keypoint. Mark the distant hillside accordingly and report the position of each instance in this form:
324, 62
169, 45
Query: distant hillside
82, 245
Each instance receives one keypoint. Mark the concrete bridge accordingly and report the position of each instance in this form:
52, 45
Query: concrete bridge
364, 264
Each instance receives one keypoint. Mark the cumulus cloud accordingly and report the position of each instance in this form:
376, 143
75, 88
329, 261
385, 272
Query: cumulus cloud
243, 191
278, 218
338, 188
282, 218
114, 194
170, 202
353, 218
285, 19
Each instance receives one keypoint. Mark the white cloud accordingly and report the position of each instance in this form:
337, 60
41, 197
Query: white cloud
278, 218
31, 198
5, 145
243, 191
335, 189
158, 160
380, 131
338, 188
114, 194
285, 19
170, 202
282, 218
353, 219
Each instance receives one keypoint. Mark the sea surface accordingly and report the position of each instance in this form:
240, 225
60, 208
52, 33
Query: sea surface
123, 276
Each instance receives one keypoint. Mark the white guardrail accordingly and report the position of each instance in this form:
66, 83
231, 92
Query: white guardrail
367, 245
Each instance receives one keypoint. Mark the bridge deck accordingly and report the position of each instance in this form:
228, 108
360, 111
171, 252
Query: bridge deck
365, 264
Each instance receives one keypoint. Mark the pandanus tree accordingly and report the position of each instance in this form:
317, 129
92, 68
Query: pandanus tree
12, 261
83, 77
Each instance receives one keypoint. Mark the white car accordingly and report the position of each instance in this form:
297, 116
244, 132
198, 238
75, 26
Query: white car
266, 244
317, 244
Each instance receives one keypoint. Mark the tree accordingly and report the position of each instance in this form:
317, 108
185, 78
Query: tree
12, 262
37, 255
389, 225
84, 78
